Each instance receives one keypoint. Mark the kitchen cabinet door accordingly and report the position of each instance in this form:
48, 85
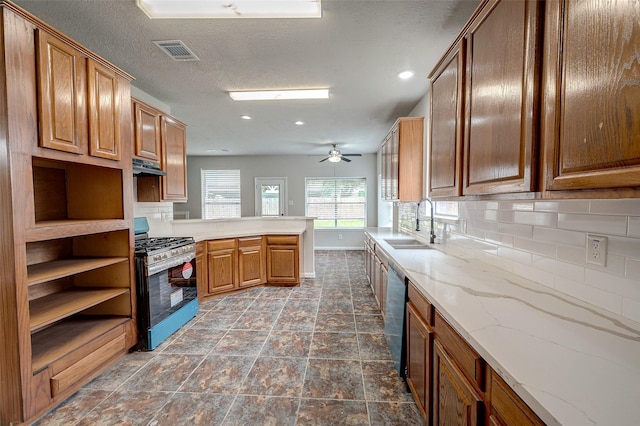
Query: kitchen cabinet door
222, 267
62, 94
507, 409
147, 132
591, 120
105, 105
455, 400
174, 159
251, 262
447, 87
283, 259
500, 149
419, 349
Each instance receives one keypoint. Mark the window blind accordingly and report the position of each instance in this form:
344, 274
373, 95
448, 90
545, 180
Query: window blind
220, 194
337, 202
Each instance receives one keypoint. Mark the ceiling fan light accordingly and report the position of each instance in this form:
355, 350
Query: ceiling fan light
334, 158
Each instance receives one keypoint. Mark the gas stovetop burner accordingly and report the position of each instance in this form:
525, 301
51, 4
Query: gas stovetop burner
144, 246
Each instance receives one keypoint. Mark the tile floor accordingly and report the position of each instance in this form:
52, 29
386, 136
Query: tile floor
309, 355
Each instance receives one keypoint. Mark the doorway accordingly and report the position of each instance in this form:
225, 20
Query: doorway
271, 196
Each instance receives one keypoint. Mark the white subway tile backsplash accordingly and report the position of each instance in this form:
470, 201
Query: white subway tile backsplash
565, 206
631, 309
571, 254
614, 284
491, 215
500, 239
595, 296
498, 262
505, 216
515, 229
515, 255
634, 226
559, 268
600, 224
516, 205
615, 265
633, 269
617, 207
550, 220
629, 247
534, 274
537, 247
559, 236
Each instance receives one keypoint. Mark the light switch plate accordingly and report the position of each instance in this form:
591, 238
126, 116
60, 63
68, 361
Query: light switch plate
597, 250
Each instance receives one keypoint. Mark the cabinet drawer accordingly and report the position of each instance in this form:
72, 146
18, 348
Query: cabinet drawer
87, 365
465, 356
507, 407
420, 304
249, 241
229, 243
282, 239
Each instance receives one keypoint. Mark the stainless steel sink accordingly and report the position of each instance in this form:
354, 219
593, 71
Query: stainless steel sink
407, 243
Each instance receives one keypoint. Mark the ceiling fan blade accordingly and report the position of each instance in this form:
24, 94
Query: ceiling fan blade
345, 159
324, 159
352, 155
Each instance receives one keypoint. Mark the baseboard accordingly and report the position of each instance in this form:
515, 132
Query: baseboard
361, 248
309, 275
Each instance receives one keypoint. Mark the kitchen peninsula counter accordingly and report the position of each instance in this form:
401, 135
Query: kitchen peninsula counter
571, 362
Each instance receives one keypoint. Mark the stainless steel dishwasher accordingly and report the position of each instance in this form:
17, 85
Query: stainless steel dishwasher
394, 321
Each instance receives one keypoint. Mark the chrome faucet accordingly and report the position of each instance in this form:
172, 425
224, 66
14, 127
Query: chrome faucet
432, 234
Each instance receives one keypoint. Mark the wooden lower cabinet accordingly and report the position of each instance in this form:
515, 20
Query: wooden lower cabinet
221, 265
455, 400
283, 259
419, 350
251, 262
507, 409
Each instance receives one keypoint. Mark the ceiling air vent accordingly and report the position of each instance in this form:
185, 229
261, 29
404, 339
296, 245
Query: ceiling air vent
176, 50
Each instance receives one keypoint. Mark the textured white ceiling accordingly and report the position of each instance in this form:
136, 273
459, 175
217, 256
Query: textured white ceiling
356, 49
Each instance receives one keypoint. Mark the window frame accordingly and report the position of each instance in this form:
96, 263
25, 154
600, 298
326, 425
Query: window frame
229, 175
336, 203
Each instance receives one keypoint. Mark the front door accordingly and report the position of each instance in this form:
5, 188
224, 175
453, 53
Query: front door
271, 196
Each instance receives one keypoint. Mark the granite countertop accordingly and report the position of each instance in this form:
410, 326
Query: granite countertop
572, 363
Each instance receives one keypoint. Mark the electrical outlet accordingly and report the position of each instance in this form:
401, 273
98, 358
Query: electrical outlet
597, 250
339, 236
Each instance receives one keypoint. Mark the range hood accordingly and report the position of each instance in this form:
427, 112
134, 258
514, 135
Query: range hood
146, 168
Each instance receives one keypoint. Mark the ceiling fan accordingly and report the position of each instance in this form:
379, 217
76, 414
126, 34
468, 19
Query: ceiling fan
335, 156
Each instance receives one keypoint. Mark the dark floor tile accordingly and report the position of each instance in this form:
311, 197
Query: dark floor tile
334, 345
208, 304
381, 382
394, 413
300, 304
275, 377
276, 292
373, 347
361, 292
195, 341
331, 412
252, 320
343, 323
333, 379
369, 324
193, 409
336, 293
124, 407
365, 306
241, 342
335, 282
267, 305
306, 293
296, 320
287, 344
249, 292
74, 408
220, 320
233, 304
335, 306
165, 372
121, 371
219, 374
262, 410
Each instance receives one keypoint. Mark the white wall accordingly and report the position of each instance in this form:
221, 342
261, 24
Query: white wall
296, 168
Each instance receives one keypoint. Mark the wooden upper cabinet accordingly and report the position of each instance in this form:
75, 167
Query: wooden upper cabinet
500, 149
147, 132
104, 112
174, 159
402, 154
61, 95
447, 88
591, 93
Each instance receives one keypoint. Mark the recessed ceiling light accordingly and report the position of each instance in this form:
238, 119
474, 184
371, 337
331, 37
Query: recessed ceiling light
168, 9
299, 123
245, 117
275, 95
406, 74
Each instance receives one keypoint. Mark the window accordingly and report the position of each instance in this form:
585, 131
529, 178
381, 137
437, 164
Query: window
337, 202
220, 194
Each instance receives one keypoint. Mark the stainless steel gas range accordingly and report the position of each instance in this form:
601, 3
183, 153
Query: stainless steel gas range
165, 285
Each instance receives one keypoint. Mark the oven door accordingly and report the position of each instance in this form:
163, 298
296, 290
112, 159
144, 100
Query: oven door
170, 290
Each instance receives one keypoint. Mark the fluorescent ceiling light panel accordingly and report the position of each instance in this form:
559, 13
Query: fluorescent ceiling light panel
276, 95
194, 9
